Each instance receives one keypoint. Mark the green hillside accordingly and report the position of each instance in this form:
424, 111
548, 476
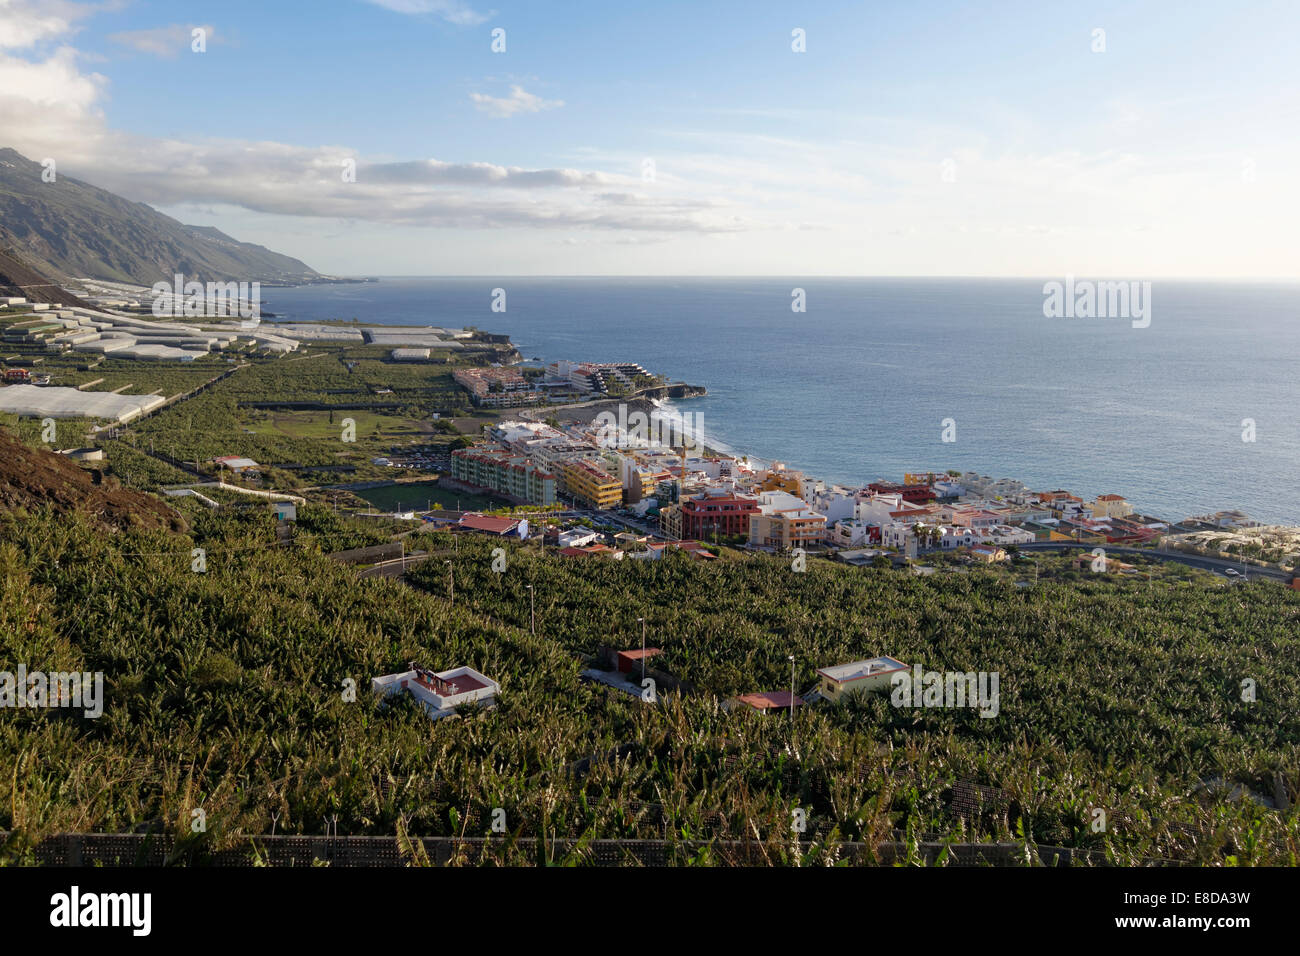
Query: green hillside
70, 228
225, 694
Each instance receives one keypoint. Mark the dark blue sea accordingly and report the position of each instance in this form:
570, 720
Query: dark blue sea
858, 386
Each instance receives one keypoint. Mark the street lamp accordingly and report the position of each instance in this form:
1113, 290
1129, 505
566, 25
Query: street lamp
642, 621
791, 656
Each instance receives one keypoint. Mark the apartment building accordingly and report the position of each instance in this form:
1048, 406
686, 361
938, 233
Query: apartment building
717, 511
500, 470
498, 387
784, 521
597, 376
591, 484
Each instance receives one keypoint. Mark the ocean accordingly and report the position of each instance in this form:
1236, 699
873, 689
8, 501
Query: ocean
870, 379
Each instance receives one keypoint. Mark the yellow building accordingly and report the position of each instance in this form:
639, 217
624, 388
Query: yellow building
781, 481
1111, 506
641, 485
591, 485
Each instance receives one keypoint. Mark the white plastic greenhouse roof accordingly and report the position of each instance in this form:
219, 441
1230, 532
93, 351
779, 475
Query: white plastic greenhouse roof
53, 402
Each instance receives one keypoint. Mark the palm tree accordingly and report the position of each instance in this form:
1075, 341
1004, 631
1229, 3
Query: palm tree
921, 533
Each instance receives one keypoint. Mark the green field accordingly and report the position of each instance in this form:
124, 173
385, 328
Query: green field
420, 495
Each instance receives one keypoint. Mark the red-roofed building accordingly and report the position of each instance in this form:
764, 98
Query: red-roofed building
716, 512
769, 701
915, 494
489, 525
629, 661
696, 550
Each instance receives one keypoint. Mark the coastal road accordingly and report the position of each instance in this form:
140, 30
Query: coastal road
1218, 565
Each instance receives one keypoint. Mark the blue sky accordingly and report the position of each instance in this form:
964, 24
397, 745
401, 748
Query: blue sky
909, 138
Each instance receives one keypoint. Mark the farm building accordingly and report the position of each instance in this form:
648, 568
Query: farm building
442, 692
770, 701
489, 525
871, 676
629, 661
237, 464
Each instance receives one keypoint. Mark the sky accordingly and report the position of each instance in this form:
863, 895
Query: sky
390, 137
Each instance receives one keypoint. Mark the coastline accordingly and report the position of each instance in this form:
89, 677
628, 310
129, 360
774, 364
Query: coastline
849, 400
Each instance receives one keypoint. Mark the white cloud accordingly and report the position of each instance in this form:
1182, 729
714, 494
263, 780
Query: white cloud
49, 108
167, 42
450, 10
24, 23
307, 181
519, 101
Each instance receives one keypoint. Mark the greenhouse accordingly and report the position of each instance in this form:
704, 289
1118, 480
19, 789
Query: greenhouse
47, 402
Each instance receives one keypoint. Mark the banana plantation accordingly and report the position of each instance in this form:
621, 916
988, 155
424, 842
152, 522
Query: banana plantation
1136, 723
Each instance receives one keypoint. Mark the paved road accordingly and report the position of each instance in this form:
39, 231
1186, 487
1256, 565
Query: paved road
1217, 565
609, 517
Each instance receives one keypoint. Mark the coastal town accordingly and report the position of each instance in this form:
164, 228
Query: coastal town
683, 493
595, 438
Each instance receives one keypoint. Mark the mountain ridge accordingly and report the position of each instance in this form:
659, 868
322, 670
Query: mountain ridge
72, 229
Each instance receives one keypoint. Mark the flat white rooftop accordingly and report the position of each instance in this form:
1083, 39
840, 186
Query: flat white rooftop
860, 669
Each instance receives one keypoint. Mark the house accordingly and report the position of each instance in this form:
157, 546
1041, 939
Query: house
16, 375
870, 676
577, 538
442, 692
1111, 506
696, 550
654, 550
238, 465
284, 510
768, 701
849, 533
988, 554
